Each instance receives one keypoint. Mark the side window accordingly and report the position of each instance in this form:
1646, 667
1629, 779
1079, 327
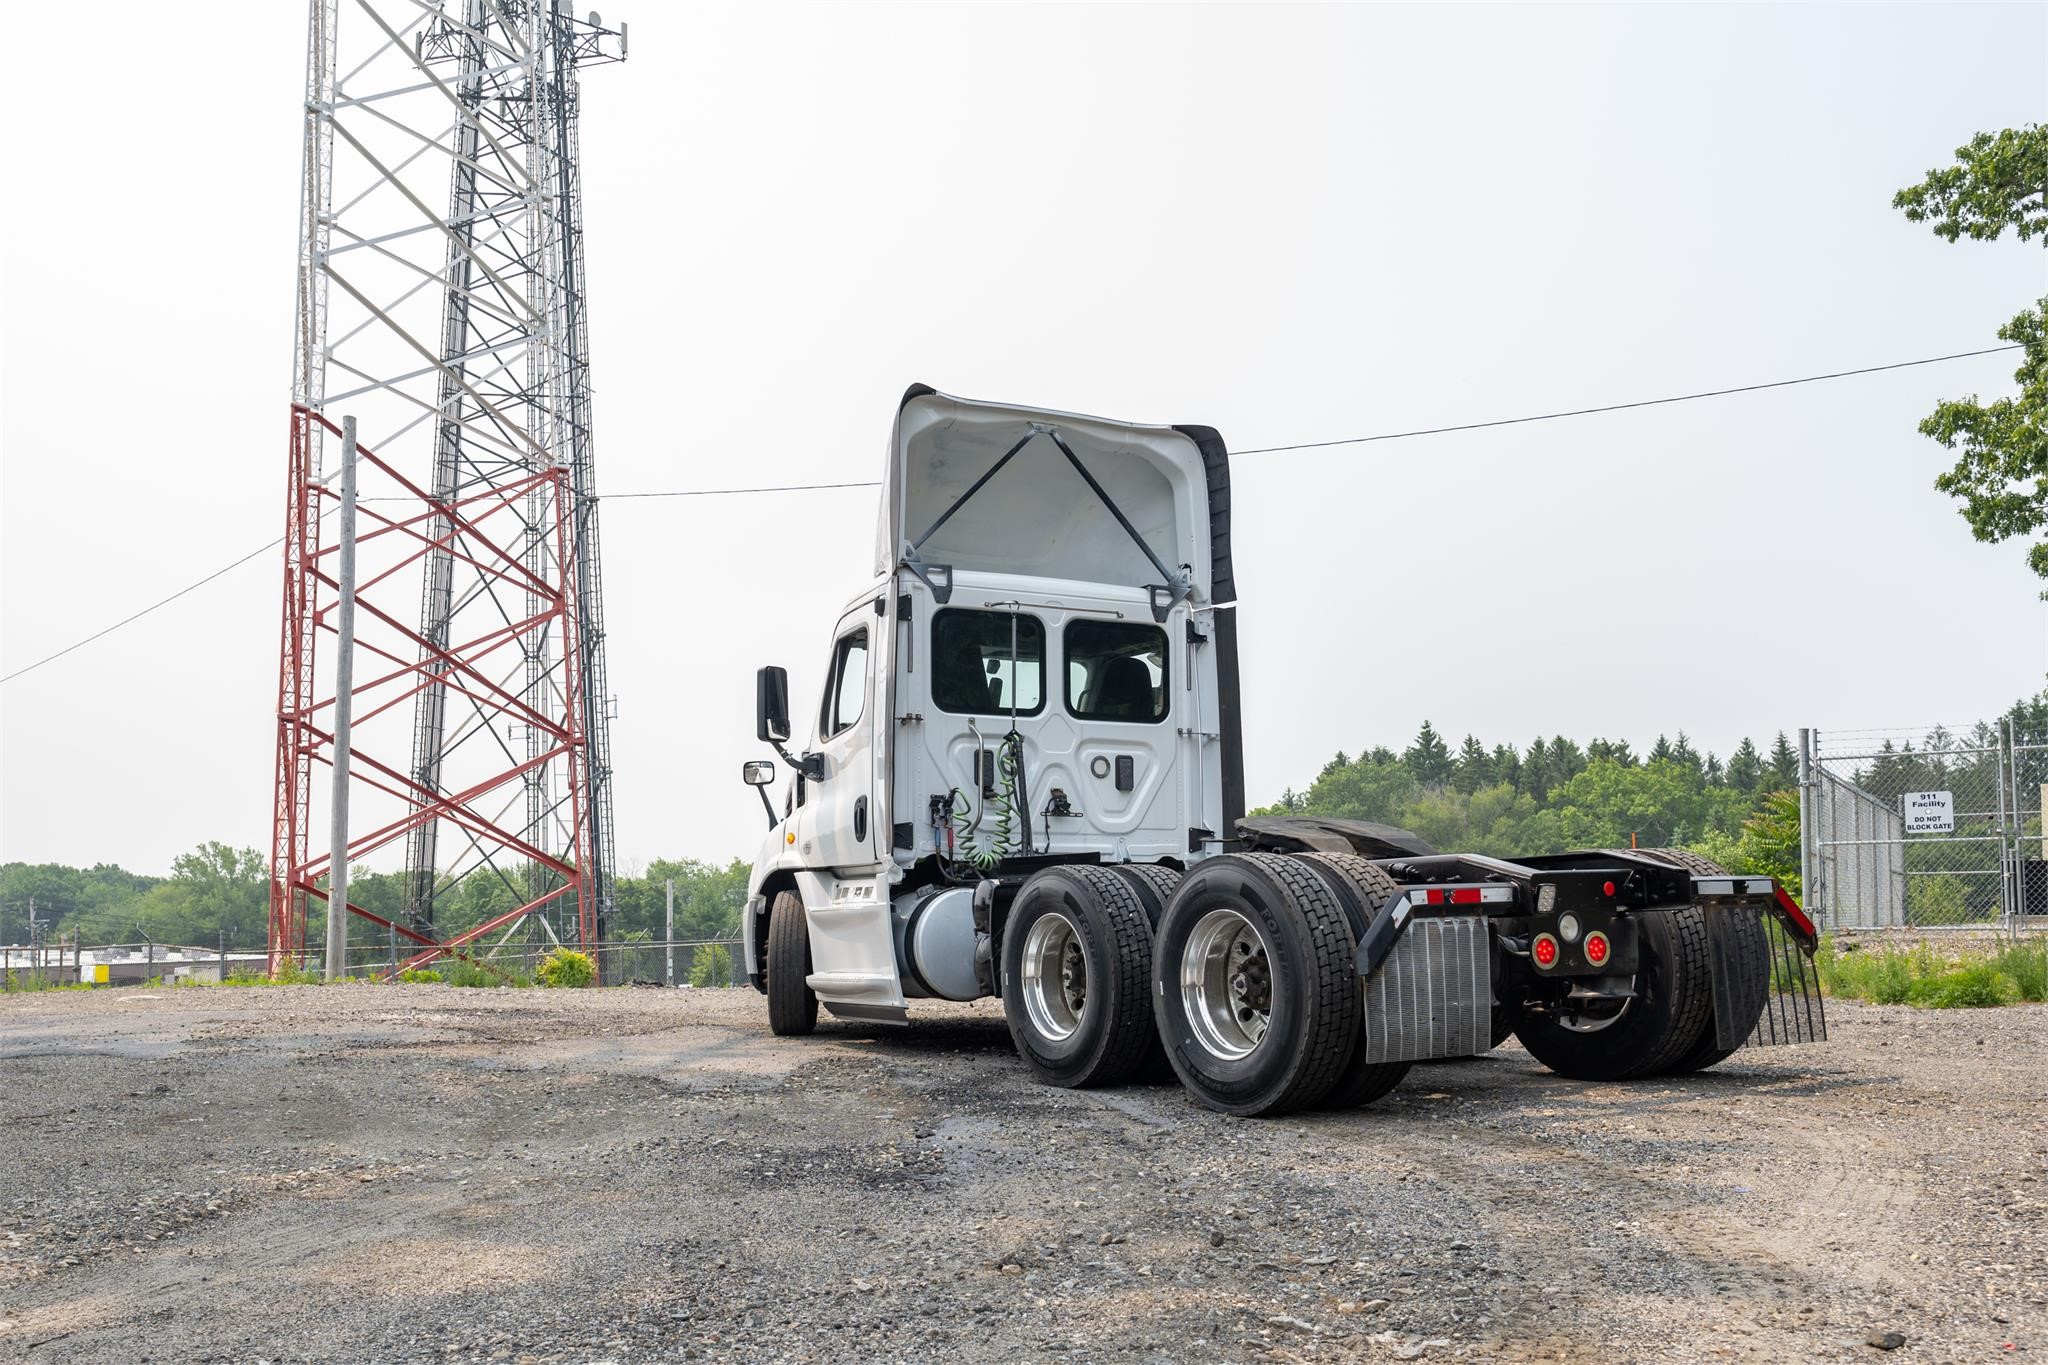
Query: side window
1116, 670
972, 671
846, 687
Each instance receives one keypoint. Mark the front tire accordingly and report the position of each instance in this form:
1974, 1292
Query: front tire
1254, 984
1077, 960
792, 1004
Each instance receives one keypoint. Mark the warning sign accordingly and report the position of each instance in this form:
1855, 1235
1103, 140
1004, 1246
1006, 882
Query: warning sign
1929, 812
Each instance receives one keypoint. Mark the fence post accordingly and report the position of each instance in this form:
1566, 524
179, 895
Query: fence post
149, 962
1808, 892
668, 936
77, 961
221, 946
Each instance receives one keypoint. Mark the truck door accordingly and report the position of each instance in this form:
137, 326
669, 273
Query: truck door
839, 828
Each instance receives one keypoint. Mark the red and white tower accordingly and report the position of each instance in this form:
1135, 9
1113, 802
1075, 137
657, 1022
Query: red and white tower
441, 303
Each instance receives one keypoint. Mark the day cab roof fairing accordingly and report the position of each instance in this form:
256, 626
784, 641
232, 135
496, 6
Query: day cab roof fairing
997, 488
1002, 489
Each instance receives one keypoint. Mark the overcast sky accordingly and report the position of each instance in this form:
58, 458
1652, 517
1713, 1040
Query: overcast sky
1291, 224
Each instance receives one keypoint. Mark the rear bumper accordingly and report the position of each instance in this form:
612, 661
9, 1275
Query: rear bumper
1429, 962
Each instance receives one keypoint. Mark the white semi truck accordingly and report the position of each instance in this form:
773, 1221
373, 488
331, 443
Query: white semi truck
1025, 779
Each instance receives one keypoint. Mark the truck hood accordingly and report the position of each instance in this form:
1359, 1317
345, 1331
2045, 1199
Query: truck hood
959, 490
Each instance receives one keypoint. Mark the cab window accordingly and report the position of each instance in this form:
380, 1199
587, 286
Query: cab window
846, 687
972, 671
1116, 670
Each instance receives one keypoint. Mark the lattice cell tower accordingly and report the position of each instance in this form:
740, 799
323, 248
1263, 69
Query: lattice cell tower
441, 303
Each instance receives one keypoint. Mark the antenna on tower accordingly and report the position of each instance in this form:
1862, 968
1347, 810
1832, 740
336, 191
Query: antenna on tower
441, 298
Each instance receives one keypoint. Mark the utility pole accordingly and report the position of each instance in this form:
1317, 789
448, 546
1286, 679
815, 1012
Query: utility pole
344, 683
668, 936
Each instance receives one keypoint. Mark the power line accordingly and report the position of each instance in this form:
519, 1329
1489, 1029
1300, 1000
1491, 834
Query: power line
1255, 450
1622, 407
126, 620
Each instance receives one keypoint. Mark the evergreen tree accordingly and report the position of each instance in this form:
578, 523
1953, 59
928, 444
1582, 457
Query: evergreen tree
1660, 752
1507, 766
1567, 760
1475, 767
1745, 767
1683, 753
1784, 764
1335, 765
1381, 755
1536, 770
1429, 758
1712, 772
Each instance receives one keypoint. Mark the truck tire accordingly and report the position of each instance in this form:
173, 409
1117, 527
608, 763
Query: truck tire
1154, 883
792, 1005
1077, 961
1673, 1006
1363, 889
1254, 984
1749, 973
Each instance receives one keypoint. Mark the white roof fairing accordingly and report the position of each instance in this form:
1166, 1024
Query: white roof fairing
1036, 515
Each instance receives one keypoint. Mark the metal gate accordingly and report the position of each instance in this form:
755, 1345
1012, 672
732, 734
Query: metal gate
1924, 829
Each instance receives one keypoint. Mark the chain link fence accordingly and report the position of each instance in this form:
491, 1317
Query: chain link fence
1925, 828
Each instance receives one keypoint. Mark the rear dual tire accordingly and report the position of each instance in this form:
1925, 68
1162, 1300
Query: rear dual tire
1668, 1028
1077, 964
1254, 987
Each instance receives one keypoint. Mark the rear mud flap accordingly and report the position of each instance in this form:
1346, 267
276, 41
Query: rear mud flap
1762, 975
1433, 996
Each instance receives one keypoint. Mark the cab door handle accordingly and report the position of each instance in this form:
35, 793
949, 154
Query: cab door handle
860, 819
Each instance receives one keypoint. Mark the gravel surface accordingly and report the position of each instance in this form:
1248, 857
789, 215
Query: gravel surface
429, 1173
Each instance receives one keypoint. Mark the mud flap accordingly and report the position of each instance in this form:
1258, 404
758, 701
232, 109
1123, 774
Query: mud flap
1766, 992
1433, 996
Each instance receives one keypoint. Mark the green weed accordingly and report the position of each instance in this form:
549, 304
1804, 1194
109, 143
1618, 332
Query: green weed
567, 967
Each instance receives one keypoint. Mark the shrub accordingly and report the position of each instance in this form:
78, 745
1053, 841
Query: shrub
420, 976
711, 965
2026, 966
566, 967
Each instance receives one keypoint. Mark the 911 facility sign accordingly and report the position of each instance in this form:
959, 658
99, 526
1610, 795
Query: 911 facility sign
1929, 812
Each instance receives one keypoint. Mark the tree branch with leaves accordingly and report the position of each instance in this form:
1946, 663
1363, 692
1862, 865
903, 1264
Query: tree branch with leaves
1999, 181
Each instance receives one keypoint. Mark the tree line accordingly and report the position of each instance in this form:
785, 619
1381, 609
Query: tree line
218, 893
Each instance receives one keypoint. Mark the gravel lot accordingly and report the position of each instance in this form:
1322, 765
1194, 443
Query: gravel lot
427, 1173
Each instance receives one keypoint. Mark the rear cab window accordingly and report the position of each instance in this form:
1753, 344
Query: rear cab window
973, 673
1116, 670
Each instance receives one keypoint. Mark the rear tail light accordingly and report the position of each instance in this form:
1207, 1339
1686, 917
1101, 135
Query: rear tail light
1597, 949
1544, 951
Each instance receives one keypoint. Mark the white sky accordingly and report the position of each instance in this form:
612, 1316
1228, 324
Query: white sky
1290, 224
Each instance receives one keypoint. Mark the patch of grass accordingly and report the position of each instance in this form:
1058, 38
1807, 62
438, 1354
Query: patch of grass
420, 976
463, 972
1964, 978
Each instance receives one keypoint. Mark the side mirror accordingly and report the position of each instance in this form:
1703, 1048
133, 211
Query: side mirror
771, 705
758, 772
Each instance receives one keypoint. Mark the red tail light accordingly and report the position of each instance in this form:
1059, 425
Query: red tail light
1596, 949
1544, 951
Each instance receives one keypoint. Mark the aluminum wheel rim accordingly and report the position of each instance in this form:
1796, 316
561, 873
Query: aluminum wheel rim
1226, 984
1055, 976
